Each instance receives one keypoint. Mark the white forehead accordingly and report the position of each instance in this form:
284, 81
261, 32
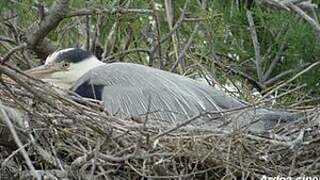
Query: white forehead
50, 59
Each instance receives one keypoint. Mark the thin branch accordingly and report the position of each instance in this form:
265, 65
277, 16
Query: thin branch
199, 115
123, 53
157, 36
293, 78
255, 45
6, 39
87, 33
250, 79
276, 59
185, 48
96, 35
109, 42
294, 90
178, 23
303, 102
11, 52
128, 41
305, 16
170, 16
278, 76
4, 162
297, 6
18, 142
111, 11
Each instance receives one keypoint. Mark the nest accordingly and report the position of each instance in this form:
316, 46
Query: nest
64, 139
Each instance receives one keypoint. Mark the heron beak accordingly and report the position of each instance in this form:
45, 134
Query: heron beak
44, 71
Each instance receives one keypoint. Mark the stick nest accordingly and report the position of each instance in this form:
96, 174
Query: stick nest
68, 140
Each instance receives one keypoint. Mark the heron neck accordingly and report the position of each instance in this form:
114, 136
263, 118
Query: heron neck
87, 65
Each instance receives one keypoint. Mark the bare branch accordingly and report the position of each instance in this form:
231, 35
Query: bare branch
178, 23
277, 77
185, 48
170, 16
298, 6
12, 51
18, 142
156, 36
255, 45
123, 53
109, 42
36, 39
117, 10
311, 21
6, 39
293, 78
87, 33
275, 60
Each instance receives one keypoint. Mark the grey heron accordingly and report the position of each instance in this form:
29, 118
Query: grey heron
135, 89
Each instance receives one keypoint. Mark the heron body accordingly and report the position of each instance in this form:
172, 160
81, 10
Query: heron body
135, 90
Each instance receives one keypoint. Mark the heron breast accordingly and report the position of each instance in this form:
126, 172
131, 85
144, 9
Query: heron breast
90, 90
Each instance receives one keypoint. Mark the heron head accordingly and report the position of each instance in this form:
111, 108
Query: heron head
64, 67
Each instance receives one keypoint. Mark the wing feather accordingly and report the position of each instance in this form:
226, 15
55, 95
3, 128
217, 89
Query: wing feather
135, 89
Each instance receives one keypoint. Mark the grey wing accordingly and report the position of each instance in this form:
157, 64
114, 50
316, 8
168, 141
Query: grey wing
136, 90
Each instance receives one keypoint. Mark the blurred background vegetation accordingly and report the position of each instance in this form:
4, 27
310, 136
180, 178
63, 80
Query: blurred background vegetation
210, 40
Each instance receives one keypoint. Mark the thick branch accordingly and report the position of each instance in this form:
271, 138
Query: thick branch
36, 39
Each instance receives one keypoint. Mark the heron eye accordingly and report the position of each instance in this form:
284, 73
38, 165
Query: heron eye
65, 64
